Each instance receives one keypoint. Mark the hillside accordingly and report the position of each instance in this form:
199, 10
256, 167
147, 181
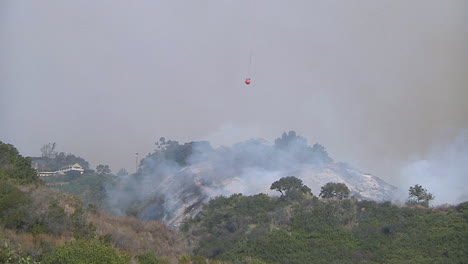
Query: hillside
309, 230
41, 224
175, 180
290, 225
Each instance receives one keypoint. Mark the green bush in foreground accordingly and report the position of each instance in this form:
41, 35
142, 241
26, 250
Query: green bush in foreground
85, 252
10, 255
13, 205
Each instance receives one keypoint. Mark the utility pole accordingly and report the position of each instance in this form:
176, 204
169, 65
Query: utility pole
136, 162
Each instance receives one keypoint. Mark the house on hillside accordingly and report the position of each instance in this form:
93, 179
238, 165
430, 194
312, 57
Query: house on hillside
75, 168
46, 173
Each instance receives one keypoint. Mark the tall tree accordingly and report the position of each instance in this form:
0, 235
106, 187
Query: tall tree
122, 172
419, 195
299, 149
319, 154
290, 139
103, 169
334, 190
290, 186
48, 150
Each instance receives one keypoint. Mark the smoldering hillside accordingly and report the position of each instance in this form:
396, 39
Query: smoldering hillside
174, 181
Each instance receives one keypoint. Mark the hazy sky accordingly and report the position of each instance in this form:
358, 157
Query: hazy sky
378, 83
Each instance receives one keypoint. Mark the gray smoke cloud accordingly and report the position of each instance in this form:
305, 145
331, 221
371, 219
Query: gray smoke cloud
176, 175
374, 81
176, 179
443, 172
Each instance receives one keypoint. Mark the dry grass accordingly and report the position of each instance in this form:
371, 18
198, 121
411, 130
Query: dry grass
134, 235
42, 196
32, 244
127, 233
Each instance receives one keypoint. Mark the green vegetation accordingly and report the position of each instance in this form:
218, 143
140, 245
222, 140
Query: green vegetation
27, 212
14, 205
327, 231
297, 145
10, 255
103, 169
334, 190
85, 252
291, 187
419, 195
15, 167
171, 150
39, 224
89, 187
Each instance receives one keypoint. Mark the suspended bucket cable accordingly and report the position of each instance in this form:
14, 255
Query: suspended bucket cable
248, 80
250, 40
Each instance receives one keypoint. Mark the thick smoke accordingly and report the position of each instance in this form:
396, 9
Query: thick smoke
444, 172
176, 179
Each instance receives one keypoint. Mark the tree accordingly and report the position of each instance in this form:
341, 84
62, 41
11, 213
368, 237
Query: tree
48, 150
16, 167
162, 144
290, 187
419, 195
319, 154
122, 172
290, 139
103, 169
297, 146
172, 151
334, 190
63, 159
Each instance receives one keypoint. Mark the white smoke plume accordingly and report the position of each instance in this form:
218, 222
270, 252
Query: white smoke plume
174, 180
444, 172
179, 174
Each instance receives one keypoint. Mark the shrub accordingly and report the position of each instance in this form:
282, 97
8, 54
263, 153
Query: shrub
85, 252
13, 203
9, 255
185, 259
15, 167
148, 258
199, 260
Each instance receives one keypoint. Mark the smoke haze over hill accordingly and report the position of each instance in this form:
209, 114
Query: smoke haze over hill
175, 180
377, 82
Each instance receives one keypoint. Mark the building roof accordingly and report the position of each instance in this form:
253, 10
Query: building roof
76, 165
